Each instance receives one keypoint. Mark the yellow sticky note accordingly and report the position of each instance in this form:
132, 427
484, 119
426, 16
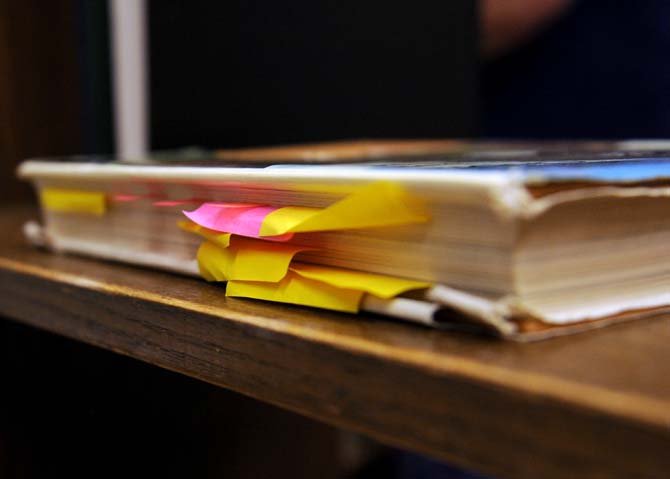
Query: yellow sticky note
246, 259
73, 201
296, 289
209, 256
287, 218
379, 204
376, 284
221, 239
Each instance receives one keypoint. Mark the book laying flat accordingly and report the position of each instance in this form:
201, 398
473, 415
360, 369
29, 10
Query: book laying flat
523, 241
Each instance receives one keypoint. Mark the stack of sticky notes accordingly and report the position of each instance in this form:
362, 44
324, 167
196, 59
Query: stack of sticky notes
250, 247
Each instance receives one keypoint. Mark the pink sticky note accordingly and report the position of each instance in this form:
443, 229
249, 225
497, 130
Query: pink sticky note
125, 198
168, 203
243, 220
235, 205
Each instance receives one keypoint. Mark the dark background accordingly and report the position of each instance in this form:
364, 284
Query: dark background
226, 74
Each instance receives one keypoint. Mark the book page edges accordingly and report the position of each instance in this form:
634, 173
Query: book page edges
441, 307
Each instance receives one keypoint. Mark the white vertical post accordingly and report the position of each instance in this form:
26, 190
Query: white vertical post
128, 30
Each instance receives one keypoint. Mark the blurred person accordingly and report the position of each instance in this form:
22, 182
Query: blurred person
575, 69
505, 24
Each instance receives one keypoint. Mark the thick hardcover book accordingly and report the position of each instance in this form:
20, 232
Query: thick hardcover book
523, 241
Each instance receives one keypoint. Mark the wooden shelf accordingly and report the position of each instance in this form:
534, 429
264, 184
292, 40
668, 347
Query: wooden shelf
597, 403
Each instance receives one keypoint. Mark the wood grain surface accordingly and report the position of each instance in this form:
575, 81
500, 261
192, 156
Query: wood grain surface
591, 405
